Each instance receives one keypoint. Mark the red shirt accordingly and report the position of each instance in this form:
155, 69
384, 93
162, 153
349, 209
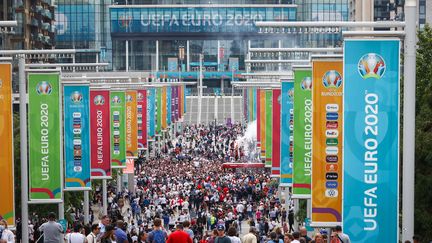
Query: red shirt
179, 236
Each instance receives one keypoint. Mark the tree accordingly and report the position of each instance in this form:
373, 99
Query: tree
423, 156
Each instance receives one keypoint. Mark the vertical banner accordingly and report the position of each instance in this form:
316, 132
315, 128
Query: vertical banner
263, 122
130, 165
173, 103
142, 118
151, 113
44, 137
286, 139
184, 100
371, 144
100, 134
164, 109
131, 124
302, 166
327, 142
176, 102
250, 104
158, 110
276, 99
76, 98
269, 124
118, 133
7, 210
168, 105
254, 104
258, 120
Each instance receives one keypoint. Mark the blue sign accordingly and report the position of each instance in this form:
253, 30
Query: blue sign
287, 106
183, 19
194, 75
77, 137
151, 115
371, 140
75, 22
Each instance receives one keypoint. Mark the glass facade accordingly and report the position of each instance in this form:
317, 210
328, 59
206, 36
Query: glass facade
222, 31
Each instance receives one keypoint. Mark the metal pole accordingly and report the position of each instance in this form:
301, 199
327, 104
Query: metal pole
23, 148
127, 56
86, 207
408, 163
200, 90
104, 197
232, 104
119, 182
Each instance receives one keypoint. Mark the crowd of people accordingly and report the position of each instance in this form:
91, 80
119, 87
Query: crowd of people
183, 194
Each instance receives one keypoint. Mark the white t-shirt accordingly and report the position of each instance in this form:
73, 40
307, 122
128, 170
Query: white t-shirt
75, 238
8, 236
234, 239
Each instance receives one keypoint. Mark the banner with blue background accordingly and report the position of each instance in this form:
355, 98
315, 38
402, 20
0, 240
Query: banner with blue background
286, 132
77, 137
151, 96
371, 140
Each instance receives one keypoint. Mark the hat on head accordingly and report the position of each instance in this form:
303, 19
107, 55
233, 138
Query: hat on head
221, 227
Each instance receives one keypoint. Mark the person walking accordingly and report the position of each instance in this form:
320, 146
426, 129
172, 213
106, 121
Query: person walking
76, 236
52, 230
92, 237
179, 236
157, 235
6, 236
108, 235
222, 238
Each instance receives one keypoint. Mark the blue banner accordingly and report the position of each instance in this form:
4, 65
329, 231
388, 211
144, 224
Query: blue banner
77, 137
287, 111
371, 140
151, 116
169, 104
188, 91
254, 102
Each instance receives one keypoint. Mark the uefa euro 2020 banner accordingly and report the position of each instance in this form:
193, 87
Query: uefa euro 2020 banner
76, 136
131, 124
263, 122
142, 118
371, 144
151, 116
269, 123
7, 211
158, 111
327, 142
258, 119
44, 137
118, 134
287, 132
100, 134
276, 101
302, 167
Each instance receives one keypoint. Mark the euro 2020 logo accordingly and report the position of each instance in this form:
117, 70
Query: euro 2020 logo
332, 79
76, 97
129, 98
371, 65
43, 88
116, 100
291, 93
99, 100
306, 83
140, 97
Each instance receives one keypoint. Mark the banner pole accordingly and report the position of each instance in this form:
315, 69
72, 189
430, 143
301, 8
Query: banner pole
104, 196
86, 207
408, 160
23, 148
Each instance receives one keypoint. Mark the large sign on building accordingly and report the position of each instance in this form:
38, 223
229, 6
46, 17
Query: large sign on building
195, 19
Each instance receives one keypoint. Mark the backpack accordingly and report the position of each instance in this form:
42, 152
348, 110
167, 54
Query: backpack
158, 236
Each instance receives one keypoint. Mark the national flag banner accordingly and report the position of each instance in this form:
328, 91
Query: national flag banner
269, 127
118, 127
7, 188
287, 114
276, 142
131, 124
45, 160
258, 120
130, 165
151, 113
100, 138
142, 118
371, 139
302, 166
263, 123
158, 110
327, 142
164, 109
76, 110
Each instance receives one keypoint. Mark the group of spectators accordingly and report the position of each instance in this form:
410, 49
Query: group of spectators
183, 194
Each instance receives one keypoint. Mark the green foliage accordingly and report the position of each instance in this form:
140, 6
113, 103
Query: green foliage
423, 187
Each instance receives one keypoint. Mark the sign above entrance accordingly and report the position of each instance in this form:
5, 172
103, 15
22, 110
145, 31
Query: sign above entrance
195, 19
